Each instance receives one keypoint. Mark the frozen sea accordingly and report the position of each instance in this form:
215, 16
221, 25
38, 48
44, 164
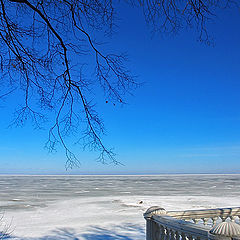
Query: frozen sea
104, 207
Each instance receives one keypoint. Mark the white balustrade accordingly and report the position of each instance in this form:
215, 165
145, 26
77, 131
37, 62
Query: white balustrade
206, 224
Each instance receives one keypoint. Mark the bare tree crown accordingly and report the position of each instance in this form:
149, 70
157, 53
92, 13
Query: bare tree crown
46, 44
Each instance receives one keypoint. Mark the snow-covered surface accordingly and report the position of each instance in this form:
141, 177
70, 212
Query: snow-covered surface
87, 208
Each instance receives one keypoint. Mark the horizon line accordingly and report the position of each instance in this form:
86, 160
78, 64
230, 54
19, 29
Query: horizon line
87, 174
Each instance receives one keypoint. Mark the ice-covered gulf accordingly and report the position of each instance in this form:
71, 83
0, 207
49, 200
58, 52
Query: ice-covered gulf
104, 207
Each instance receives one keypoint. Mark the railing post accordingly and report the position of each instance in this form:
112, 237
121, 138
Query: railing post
225, 231
152, 228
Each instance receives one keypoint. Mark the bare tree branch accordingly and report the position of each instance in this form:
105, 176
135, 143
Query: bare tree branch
5, 231
47, 49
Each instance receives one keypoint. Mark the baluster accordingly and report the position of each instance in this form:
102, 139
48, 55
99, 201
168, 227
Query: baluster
210, 221
198, 220
162, 232
190, 237
229, 219
234, 218
205, 221
237, 219
183, 236
214, 220
172, 235
194, 220
177, 235
167, 235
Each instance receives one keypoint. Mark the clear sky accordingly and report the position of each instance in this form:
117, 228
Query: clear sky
184, 119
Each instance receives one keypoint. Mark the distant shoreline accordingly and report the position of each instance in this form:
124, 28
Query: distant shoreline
119, 175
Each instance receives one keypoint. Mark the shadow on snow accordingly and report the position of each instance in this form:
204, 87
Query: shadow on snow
125, 232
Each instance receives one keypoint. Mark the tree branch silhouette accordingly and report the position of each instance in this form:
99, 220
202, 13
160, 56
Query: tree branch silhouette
46, 48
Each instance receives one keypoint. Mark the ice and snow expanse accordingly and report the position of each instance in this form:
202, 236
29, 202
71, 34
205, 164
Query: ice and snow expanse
104, 207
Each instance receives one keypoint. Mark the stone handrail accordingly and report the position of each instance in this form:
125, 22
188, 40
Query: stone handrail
207, 214
204, 224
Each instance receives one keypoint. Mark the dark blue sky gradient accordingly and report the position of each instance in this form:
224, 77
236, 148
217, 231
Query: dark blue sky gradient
184, 119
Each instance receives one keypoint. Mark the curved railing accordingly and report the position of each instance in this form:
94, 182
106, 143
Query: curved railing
192, 224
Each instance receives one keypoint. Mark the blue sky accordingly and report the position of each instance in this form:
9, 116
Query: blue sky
184, 119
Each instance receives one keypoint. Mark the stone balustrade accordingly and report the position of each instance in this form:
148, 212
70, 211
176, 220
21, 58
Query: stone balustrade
206, 224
